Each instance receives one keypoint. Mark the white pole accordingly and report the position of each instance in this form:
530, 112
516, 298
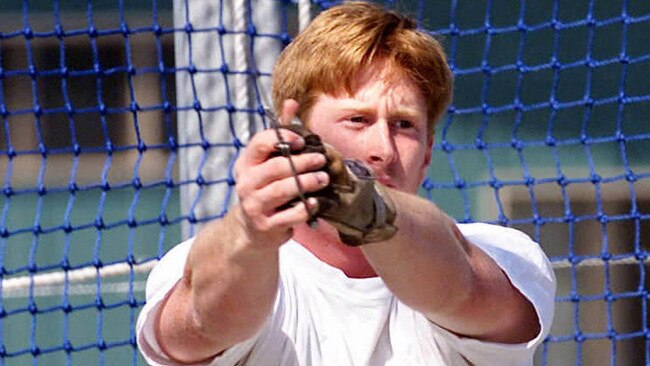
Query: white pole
240, 83
304, 14
201, 49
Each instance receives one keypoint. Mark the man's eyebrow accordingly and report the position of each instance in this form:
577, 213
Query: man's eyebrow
359, 109
407, 113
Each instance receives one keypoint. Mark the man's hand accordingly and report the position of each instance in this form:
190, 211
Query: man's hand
354, 203
266, 182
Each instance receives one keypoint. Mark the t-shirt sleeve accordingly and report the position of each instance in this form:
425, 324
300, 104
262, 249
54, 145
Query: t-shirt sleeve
160, 282
530, 271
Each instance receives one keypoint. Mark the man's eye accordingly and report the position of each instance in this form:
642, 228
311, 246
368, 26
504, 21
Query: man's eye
404, 124
357, 119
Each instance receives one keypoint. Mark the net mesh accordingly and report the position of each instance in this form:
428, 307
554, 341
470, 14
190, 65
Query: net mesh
547, 133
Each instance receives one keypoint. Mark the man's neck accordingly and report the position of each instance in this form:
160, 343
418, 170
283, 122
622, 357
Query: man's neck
324, 243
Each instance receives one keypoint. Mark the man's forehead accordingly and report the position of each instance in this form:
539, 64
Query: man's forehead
396, 92
379, 70
364, 106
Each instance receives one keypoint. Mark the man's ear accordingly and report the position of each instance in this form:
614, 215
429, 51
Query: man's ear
427, 156
429, 151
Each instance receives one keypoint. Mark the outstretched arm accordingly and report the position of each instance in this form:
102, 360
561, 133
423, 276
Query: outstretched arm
431, 267
231, 276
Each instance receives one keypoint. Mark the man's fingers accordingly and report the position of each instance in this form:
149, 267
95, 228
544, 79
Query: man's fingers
261, 207
265, 201
279, 168
294, 215
282, 191
264, 144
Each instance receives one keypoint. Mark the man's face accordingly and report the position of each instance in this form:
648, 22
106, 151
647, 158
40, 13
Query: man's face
384, 125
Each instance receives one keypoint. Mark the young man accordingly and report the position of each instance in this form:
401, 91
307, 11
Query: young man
262, 287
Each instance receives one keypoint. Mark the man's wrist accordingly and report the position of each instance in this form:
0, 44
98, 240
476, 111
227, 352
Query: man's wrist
367, 213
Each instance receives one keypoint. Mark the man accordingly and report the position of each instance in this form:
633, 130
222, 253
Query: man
262, 287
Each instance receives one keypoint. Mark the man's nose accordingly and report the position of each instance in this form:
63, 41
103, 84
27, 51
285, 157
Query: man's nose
380, 144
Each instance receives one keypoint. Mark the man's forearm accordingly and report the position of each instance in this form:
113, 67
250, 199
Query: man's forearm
424, 259
431, 267
224, 297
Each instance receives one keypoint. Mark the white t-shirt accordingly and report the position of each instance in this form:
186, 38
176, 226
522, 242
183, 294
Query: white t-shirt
322, 317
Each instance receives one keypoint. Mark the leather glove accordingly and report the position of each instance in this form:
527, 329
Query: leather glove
354, 203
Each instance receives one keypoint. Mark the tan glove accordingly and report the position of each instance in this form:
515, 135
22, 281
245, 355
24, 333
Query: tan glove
354, 203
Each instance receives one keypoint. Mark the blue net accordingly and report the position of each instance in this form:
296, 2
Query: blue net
547, 133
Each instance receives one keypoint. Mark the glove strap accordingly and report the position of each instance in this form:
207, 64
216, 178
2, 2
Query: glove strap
381, 227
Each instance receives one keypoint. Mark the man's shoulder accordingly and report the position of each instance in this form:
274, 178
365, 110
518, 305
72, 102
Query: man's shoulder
502, 242
492, 230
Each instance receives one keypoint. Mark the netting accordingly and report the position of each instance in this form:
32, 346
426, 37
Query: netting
100, 100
